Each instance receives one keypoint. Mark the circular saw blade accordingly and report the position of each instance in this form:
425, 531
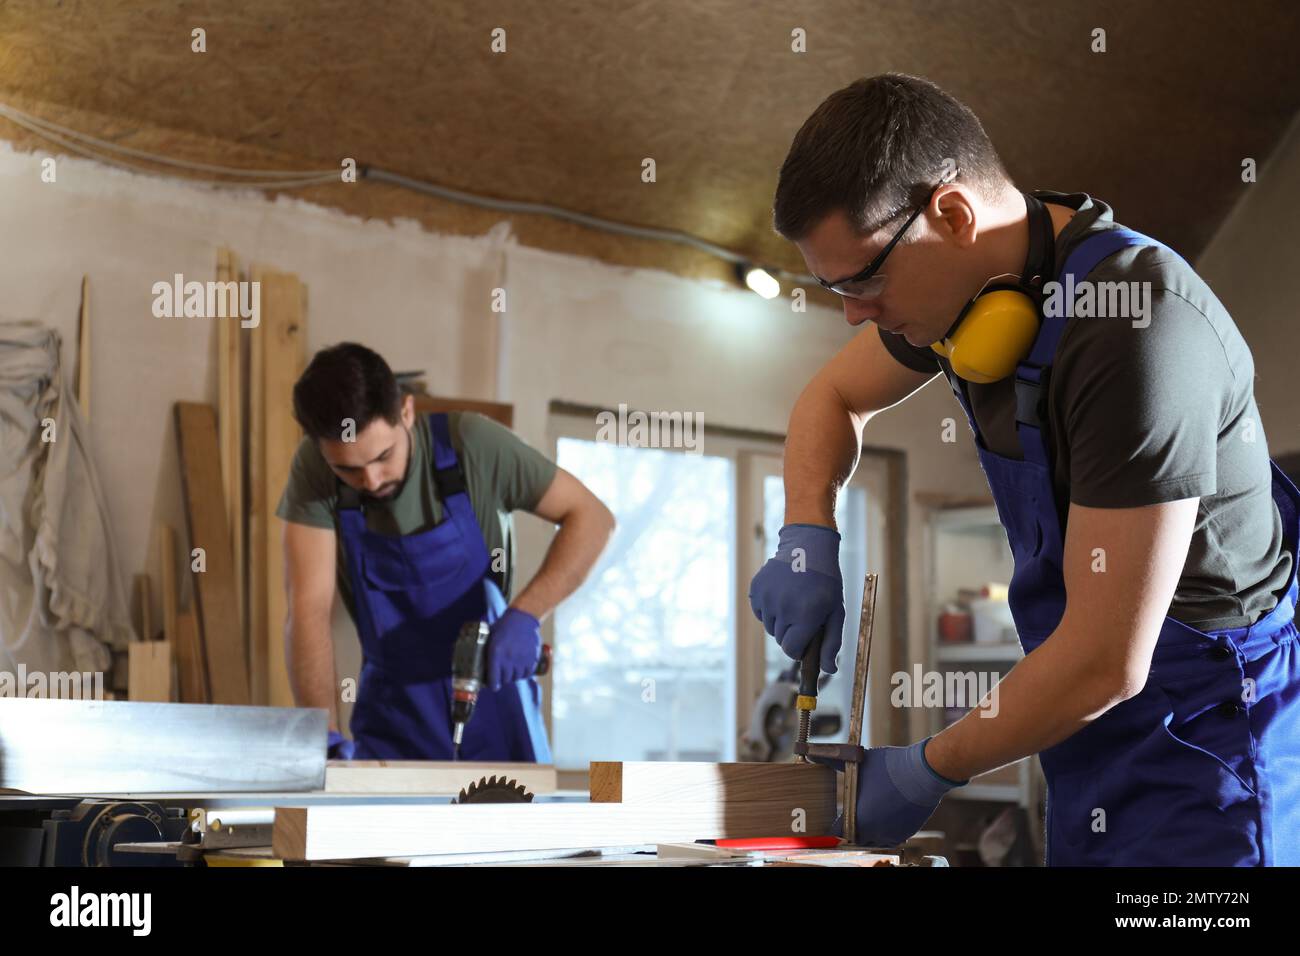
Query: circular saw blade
494, 790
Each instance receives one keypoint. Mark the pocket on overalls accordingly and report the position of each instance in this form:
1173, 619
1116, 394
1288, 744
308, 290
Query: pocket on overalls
1206, 748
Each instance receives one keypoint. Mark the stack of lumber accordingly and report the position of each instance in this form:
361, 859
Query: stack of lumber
234, 457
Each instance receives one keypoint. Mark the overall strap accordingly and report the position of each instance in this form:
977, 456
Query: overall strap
1033, 374
448, 475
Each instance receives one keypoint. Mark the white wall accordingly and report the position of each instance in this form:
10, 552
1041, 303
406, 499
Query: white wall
1253, 265
576, 329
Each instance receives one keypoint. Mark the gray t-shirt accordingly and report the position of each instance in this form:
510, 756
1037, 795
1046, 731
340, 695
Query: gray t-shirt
1143, 415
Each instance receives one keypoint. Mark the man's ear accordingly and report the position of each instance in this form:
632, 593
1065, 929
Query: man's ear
408, 410
954, 215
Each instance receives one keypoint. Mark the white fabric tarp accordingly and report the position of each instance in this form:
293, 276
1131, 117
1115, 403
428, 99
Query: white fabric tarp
62, 603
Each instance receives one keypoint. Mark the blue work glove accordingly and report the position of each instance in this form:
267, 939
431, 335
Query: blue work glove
897, 792
339, 747
514, 647
799, 592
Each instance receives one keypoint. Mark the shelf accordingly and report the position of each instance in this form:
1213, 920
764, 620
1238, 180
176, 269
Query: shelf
1004, 784
1001, 792
970, 651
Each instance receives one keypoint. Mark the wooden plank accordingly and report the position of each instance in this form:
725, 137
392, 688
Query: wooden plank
144, 607
83, 350
360, 832
281, 340
149, 671
214, 588
230, 421
503, 413
257, 517
652, 783
191, 671
167, 577
430, 776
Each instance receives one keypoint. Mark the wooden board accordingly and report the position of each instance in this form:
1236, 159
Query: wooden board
722, 783
257, 516
214, 589
361, 832
430, 776
149, 671
230, 422
191, 672
278, 358
144, 608
499, 411
632, 804
167, 577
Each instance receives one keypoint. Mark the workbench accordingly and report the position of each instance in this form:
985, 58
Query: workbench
94, 783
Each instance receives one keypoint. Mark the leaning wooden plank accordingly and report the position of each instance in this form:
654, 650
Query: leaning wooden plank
167, 575
659, 783
283, 334
357, 832
230, 420
430, 776
191, 671
144, 607
214, 586
257, 513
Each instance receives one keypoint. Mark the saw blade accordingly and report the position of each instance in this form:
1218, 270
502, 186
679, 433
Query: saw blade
494, 790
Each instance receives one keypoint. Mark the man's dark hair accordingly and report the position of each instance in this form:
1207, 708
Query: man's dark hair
345, 381
875, 149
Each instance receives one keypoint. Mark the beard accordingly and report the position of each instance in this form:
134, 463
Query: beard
385, 492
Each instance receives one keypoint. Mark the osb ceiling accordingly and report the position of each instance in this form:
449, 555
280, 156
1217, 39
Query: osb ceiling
1158, 125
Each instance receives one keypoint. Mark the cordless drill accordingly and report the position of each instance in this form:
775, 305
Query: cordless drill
469, 672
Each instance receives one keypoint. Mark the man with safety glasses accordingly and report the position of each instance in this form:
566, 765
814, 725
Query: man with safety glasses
1154, 541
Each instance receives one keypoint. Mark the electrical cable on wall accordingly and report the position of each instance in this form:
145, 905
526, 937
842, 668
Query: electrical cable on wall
85, 145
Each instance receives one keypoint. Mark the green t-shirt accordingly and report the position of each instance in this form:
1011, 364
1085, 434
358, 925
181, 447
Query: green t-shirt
1144, 415
502, 474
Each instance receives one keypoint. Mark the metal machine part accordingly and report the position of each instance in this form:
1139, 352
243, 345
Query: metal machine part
769, 738
90, 747
94, 832
494, 790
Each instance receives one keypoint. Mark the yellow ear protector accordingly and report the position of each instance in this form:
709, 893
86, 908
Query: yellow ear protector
997, 328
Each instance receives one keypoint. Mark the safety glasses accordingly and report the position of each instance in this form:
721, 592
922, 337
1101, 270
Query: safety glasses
866, 284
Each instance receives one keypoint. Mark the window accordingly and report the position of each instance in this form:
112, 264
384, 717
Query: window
645, 671
658, 656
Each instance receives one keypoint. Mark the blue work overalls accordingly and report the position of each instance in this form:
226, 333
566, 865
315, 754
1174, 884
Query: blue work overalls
1202, 768
411, 594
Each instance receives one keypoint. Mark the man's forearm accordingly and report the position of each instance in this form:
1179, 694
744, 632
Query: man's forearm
1051, 694
574, 550
821, 450
309, 654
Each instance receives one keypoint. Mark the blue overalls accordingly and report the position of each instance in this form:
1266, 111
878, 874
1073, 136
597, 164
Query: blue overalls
411, 594
1202, 768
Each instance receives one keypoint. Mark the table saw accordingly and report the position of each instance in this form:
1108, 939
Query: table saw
115, 783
